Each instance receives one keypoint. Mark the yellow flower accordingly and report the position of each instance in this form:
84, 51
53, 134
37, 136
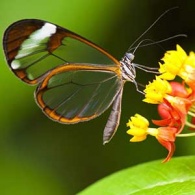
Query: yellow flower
156, 91
188, 72
178, 63
138, 128
173, 63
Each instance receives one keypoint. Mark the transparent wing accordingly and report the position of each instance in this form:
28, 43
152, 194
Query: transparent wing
78, 92
34, 47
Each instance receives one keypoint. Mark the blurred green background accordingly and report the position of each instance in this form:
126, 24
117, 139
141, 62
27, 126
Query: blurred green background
39, 156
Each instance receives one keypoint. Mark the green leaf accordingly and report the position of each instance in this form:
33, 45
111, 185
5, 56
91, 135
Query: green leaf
174, 177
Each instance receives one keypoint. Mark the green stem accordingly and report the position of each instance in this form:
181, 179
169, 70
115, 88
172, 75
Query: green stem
186, 135
191, 113
190, 124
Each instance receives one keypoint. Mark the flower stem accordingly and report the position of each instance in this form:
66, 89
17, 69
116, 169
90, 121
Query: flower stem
186, 135
190, 124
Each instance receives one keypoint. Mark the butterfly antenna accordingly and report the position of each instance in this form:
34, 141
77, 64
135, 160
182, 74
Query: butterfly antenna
163, 14
156, 42
152, 69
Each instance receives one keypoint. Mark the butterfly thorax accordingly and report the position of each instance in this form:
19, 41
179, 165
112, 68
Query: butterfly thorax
127, 67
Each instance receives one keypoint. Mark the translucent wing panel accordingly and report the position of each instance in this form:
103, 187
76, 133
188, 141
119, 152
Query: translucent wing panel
34, 47
75, 50
74, 96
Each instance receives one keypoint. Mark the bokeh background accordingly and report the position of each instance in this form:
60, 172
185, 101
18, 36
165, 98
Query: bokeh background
39, 156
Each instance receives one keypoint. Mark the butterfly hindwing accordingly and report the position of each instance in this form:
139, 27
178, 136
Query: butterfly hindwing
81, 92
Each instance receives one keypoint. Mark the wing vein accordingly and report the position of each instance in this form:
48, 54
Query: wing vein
38, 60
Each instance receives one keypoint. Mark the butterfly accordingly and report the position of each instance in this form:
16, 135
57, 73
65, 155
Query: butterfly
76, 79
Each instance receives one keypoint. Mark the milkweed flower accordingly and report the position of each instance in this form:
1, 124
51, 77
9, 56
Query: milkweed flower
175, 101
156, 91
173, 63
178, 63
139, 129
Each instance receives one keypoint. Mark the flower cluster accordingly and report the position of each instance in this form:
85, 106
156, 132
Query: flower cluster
175, 101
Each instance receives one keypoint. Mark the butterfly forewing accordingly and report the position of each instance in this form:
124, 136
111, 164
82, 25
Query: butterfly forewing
34, 47
81, 93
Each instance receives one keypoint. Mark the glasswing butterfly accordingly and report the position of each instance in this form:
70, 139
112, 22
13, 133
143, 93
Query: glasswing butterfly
72, 86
